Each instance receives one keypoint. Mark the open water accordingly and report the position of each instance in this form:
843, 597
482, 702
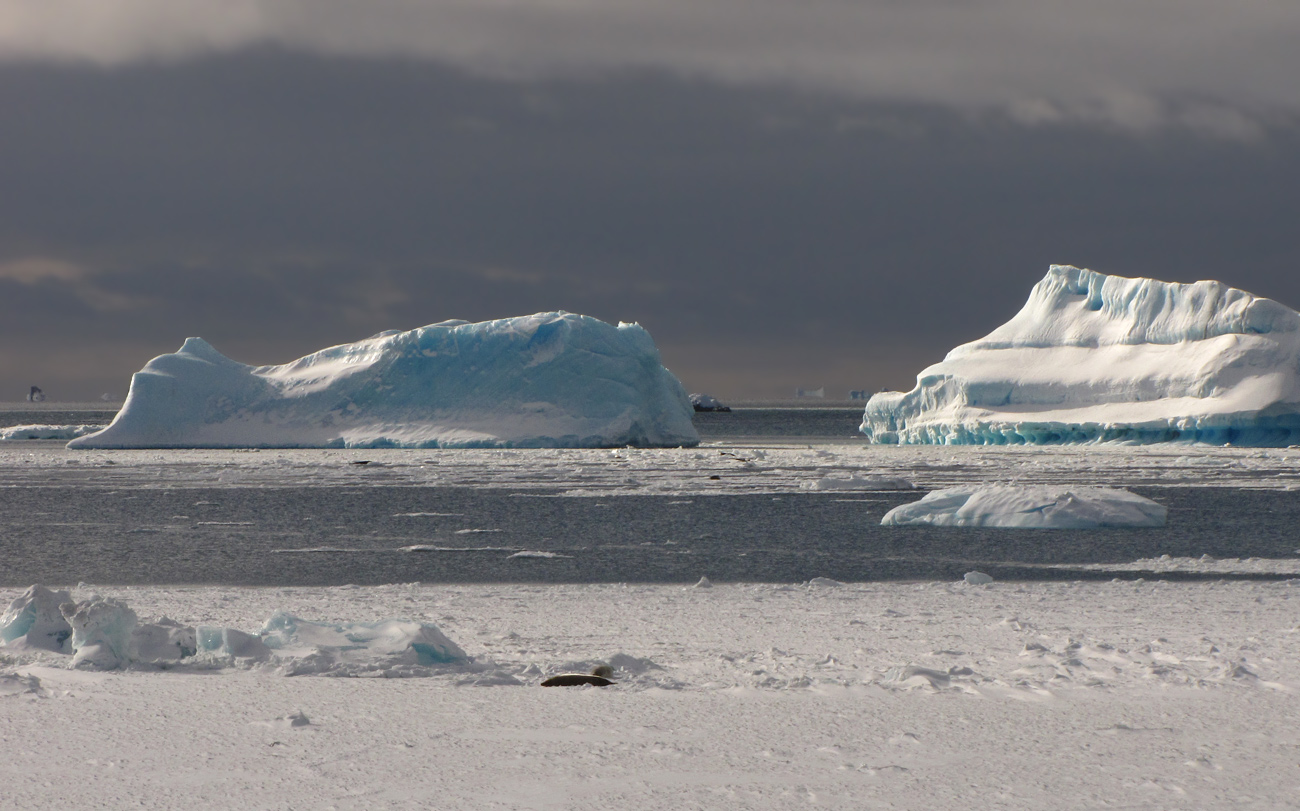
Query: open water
304, 535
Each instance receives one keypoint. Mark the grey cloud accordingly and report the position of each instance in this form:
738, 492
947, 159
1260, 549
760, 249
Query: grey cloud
1222, 71
276, 203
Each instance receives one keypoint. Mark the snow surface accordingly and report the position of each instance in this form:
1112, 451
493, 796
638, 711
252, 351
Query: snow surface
1152, 695
1097, 358
1026, 507
545, 380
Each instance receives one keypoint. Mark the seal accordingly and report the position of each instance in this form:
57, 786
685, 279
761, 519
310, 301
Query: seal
598, 677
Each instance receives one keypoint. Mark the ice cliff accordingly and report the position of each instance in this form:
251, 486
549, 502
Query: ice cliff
545, 380
1097, 358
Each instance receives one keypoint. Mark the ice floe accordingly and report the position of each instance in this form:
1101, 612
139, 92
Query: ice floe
1030, 508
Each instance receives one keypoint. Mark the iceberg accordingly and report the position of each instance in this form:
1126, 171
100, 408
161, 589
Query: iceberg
1015, 507
1097, 358
550, 380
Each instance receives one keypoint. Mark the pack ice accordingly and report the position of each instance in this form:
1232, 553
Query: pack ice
102, 633
1097, 358
1028, 507
542, 381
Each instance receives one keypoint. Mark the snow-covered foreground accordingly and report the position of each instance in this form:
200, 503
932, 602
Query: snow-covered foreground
935, 695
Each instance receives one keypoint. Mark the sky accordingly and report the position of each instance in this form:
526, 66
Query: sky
830, 193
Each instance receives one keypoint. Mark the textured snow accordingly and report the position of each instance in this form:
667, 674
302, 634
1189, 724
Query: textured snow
545, 380
1029, 508
1097, 358
1154, 695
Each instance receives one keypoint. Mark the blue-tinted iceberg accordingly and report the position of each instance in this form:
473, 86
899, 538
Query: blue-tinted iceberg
1096, 358
545, 380
1029, 508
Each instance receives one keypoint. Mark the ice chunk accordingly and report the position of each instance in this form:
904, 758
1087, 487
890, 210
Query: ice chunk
858, 481
34, 620
47, 431
101, 632
163, 641
1097, 358
394, 640
977, 578
228, 642
1030, 508
545, 380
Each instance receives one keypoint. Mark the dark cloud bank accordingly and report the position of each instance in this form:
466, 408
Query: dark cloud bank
768, 236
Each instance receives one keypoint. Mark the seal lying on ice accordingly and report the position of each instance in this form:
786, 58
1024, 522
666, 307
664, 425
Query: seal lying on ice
599, 676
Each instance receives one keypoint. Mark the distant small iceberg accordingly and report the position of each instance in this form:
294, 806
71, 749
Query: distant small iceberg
706, 402
1029, 508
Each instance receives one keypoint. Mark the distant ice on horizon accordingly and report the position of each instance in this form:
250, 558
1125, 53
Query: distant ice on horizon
1097, 358
550, 380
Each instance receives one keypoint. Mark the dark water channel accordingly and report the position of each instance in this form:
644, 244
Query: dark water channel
319, 536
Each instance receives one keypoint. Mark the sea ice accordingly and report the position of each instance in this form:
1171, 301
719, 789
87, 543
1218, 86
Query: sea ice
1029, 508
545, 380
1097, 358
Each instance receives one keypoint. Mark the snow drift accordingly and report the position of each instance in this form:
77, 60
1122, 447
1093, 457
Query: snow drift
545, 380
1029, 508
1096, 358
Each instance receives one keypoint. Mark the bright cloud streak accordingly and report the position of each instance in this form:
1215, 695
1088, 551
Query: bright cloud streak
1226, 71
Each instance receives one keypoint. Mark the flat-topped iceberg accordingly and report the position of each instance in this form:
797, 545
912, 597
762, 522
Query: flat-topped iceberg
542, 381
1096, 358
1029, 508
